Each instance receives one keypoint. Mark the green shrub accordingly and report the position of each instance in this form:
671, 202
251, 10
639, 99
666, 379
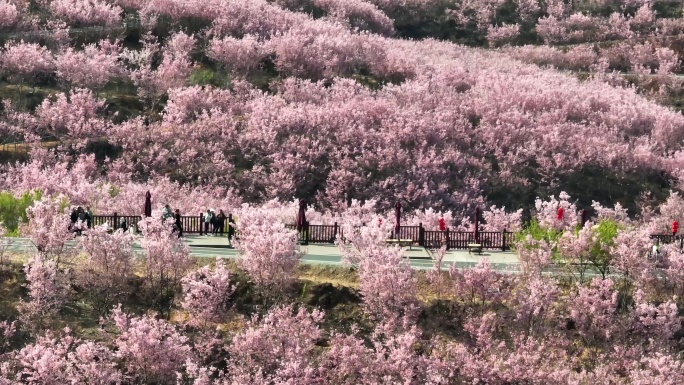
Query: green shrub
13, 209
203, 77
538, 233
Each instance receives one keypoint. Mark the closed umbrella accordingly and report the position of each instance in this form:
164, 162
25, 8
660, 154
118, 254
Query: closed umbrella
477, 224
301, 215
148, 204
397, 218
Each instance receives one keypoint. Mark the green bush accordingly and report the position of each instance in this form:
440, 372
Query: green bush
538, 233
13, 209
203, 77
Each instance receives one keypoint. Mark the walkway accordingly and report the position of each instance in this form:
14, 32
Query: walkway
212, 247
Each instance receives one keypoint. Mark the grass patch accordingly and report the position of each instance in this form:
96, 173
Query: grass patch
337, 276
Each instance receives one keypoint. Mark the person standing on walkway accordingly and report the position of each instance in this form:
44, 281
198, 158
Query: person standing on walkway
167, 213
81, 220
214, 223
178, 223
89, 217
231, 229
208, 216
73, 218
220, 222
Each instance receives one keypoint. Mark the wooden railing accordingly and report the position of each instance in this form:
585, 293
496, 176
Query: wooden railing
192, 224
665, 238
327, 234
454, 240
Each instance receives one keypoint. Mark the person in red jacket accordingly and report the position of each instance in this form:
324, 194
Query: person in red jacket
675, 227
442, 224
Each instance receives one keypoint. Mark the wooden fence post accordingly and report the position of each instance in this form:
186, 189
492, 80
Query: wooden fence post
421, 235
335, 233
116, 221
306, 232
503, 240
446, 234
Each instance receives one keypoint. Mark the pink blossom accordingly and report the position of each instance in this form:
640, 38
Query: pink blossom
86, 12
48, 290
276, 347
268, 251
25, 60
167, 259
503, 34
92, 67
108, 267
152, 349
546, 212
593, 309
660, 322
48, 227
497, 219
207, 292
238, 55
9, 14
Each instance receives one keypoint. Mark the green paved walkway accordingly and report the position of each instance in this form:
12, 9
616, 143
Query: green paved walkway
212, 247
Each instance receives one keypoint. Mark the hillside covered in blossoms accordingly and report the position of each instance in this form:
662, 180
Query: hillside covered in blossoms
554, 127
334, 101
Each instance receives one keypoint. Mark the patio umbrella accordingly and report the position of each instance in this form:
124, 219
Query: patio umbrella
301, 215
477, 224
148, 204
397, 218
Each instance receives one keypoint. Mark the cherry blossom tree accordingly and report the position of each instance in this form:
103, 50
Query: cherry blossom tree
659, 322
66, 359
48, 228
534, 303
9, 14
92, 67
153, 350
24, 61
388, 285
501, 35
74, 115
238, 56
535, 255
172, 72
631, 254
479, 285
8, 331
593, 309
207, 292
86, 12
268, 251
276, 348
48, 290
107, 268
167, 259
497, 219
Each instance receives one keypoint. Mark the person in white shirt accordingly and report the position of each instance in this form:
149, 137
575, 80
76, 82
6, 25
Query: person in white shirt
207, 221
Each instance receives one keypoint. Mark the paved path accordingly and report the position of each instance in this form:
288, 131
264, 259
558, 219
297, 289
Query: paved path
420, 258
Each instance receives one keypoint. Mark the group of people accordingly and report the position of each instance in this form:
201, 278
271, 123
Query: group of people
217, 223
212, 223
656, 253
177, 222
79, 217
